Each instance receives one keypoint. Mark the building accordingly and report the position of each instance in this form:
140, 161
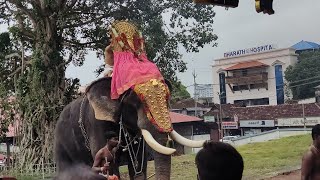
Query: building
191, 127
257, 119
204, 93
189, 107
253, 76
305, 46
317, 93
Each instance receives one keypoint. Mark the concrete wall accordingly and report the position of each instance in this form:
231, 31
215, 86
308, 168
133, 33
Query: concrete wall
306, 101
264, 136
200, 137
269, 135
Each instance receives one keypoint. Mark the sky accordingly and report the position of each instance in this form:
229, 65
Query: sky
236, 28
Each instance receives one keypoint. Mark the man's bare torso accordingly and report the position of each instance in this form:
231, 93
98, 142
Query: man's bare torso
315, 173
105, 154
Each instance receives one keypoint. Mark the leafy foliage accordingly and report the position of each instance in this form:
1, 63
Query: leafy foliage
304, 75
7, 105
179, 92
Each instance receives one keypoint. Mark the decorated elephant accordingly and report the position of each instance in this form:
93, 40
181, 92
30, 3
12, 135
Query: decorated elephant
84, 124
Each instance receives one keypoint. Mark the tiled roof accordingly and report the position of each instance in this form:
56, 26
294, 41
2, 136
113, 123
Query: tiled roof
272, 112
305, 45
180, 118
186, 103
246, 65
216, 107
266, 112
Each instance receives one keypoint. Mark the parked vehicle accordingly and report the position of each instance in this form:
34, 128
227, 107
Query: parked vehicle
228, 139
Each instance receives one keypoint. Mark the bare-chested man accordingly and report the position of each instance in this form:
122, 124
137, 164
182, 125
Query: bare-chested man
104, 159
310, 168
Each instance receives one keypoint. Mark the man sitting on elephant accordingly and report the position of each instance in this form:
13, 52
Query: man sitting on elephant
133, 70
104, 159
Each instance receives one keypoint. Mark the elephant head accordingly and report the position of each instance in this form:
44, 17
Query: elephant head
134, 116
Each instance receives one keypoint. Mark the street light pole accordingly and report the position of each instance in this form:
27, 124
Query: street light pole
195, 93
220, 119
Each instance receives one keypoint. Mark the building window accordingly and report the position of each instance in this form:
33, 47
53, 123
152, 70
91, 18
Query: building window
222, 82
244, 72
252, 102
279, 84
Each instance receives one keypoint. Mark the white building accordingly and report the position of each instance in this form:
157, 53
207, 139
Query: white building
252, 76
204, 92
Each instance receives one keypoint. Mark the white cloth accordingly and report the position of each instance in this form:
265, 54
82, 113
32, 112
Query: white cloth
107, 69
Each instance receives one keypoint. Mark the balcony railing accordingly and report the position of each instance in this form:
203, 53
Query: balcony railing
249, 79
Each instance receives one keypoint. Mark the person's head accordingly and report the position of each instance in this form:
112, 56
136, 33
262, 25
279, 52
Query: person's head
113, 139
219, 161
316, 134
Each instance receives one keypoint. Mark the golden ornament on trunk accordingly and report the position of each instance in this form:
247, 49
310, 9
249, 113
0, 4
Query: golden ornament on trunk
156, 106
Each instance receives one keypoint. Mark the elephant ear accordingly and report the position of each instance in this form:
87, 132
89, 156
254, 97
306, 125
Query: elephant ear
168, 84
98, 93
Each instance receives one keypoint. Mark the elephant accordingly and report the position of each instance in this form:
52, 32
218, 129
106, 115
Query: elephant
83, 126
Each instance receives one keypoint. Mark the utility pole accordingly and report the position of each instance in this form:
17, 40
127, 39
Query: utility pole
195, 93
220, 119
304, 118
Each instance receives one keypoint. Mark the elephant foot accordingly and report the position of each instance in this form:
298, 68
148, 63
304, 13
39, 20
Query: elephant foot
140, 176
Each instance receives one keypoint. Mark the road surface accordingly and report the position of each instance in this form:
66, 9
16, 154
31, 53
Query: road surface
293, 175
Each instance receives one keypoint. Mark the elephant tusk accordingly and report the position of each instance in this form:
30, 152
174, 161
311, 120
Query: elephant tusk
155, 145
184, 141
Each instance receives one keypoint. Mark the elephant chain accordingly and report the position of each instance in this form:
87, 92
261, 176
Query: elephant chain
129, 147
81, 125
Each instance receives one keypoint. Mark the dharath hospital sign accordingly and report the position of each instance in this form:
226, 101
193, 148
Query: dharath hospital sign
249, 50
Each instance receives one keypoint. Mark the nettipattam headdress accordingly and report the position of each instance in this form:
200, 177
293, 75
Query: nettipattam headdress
153, 92
125, 36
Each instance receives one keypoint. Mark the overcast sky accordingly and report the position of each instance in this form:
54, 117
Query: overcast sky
238, 28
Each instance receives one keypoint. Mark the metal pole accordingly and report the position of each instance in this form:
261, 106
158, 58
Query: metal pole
195, 93
304, 118
220, 118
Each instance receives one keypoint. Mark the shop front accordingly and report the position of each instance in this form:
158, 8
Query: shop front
231, 128
250, 127
298, 122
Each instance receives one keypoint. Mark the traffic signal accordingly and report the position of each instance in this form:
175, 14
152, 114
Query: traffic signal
264, 6
224, 3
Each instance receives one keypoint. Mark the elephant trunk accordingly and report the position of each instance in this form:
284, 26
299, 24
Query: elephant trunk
162, 162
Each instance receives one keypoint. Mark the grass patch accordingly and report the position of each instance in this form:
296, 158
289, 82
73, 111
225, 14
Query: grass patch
268, 158
260, 159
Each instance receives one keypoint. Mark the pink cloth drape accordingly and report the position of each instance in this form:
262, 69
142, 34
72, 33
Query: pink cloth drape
129, 70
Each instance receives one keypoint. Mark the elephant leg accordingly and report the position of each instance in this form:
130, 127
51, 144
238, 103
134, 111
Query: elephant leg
115, 168
62, 159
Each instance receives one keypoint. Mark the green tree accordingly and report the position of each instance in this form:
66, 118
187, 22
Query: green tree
179, 91
59, 32
6, 85
305, 75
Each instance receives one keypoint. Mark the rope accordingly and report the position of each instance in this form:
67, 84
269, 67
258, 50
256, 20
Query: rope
151, 175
